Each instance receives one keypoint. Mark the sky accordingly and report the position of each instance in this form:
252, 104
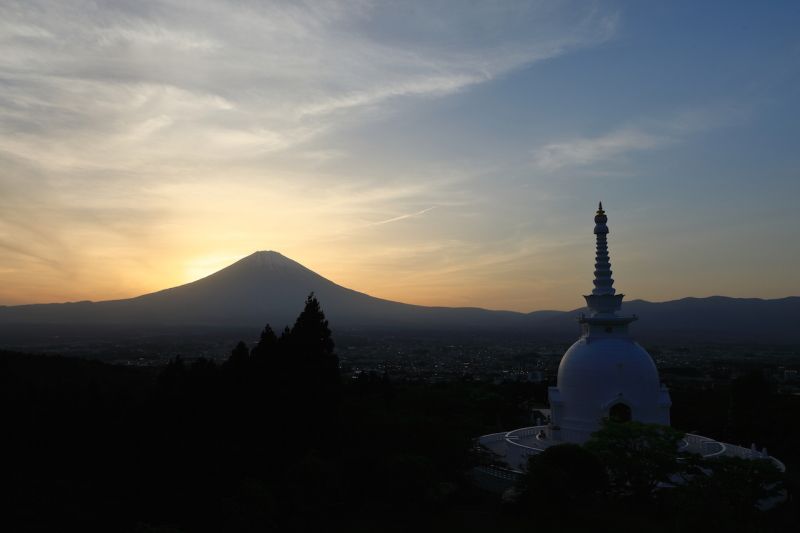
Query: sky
437, 152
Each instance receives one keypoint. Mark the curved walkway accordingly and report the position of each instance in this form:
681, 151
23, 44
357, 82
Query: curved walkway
516, 446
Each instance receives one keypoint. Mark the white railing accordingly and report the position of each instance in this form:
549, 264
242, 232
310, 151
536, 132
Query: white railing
524, 432
719, 449
709, 445
521, 449
517, 454
494, 437
778, 464
740, 451
540, 444
747, 453
702, 445
691, 438
502, 473
714, 448
497, 480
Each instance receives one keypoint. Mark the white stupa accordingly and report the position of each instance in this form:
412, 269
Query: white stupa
605, 373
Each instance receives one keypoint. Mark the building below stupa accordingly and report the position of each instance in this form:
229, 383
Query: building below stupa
604, 374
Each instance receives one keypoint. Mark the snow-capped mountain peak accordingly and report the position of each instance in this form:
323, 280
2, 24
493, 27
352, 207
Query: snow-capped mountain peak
271, 260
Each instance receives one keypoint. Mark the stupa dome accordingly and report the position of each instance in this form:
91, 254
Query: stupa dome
605, 373
596, 377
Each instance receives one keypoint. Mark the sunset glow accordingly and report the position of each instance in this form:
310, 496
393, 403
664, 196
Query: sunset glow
446, 154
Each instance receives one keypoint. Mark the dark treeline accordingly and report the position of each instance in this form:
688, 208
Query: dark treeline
270, 439
273, 440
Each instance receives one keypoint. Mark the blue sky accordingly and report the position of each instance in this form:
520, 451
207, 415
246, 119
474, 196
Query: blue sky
438, 153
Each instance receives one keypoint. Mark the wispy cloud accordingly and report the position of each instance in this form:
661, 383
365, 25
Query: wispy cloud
645, 134
401, 217
264, 76
584, 151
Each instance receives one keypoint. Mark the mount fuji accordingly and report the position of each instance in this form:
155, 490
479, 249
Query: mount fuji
265, 287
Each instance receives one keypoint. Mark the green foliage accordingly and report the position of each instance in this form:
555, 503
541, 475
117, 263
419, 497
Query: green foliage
634, 470
729, 493
639, 456
562, 476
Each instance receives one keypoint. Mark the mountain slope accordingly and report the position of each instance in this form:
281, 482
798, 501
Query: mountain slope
265, 287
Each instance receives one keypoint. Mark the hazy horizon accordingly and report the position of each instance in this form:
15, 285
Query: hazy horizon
448, 154
324, 301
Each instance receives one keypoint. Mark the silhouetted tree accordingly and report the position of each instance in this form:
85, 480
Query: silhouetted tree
728, 494
565, 475
639, 456
239, 360
310, 340
266, 347
312, 370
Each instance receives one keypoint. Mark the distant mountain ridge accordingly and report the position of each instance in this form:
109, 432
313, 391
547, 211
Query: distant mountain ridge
267, 287
715, 318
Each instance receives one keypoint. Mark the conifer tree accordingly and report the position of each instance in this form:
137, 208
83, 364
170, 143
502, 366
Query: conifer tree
238, 362
266, 345
313, 369
309, 351
311, 341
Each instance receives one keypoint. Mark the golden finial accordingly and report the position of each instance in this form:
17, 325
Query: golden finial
600, 210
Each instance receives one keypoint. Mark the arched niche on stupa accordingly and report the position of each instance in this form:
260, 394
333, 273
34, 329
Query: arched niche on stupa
621, 412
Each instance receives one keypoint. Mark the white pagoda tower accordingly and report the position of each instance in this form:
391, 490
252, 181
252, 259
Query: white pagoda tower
605, 373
